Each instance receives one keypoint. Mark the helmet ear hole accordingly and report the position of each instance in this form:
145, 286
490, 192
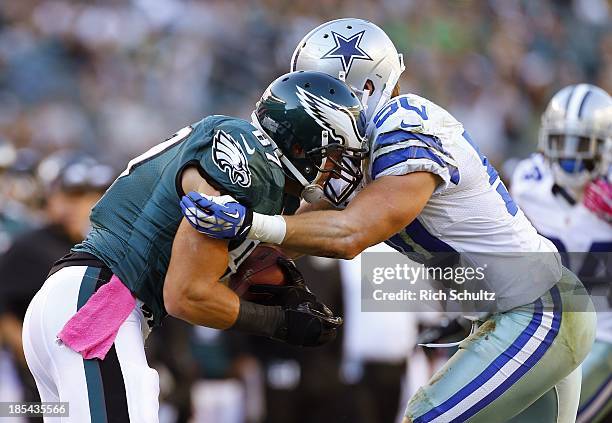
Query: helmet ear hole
369, 85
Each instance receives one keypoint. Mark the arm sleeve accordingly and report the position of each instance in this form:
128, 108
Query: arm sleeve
401, 152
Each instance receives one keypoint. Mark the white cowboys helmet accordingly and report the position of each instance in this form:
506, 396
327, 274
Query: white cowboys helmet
576, 135
354, 50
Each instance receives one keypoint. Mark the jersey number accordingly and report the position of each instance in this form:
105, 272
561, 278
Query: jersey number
394, 106
180, 135
266, 143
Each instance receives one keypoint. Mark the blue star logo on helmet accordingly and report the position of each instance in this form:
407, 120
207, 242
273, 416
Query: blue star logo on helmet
347, 50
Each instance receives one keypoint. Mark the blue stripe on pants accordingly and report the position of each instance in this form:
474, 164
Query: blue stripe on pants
500, 361
95, 390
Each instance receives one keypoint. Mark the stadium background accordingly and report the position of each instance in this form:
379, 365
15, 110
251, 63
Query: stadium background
112, 78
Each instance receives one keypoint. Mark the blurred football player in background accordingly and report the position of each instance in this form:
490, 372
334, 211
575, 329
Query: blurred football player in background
73, 183
565, 192
427, 189
20, 196
142, 261
7, 158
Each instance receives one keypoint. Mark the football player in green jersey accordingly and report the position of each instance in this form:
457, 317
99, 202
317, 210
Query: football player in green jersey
84, 330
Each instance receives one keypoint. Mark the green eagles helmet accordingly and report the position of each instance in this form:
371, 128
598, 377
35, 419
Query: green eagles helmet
318, 126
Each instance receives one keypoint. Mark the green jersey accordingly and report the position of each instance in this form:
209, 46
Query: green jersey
134, 224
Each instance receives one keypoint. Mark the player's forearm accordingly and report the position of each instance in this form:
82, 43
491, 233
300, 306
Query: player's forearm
328, 233
335, 234
382, 209
212, 305
305, 208
219, 307
192, 291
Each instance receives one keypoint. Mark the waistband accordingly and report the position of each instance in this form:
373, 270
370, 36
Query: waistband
77, 258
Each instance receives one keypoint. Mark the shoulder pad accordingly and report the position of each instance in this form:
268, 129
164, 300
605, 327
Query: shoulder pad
244, 163
412, 113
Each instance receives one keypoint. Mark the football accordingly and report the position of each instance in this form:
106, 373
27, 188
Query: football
260, 268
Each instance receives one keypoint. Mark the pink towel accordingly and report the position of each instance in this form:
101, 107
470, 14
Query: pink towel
93, 329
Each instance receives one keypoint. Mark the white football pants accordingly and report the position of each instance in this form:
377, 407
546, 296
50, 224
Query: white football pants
120, 388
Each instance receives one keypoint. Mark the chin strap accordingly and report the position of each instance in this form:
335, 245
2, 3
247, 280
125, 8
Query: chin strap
313, 193
364, 100
558, 189
384, 97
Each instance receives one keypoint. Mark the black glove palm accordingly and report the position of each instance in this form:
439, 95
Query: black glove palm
308, 327
308, 322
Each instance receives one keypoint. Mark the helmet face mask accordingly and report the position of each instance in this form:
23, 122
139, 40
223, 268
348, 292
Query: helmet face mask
576, 135
574, 153
318, 127
340, 164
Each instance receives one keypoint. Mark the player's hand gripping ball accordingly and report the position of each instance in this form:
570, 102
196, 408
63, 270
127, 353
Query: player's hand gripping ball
268, 277
260, 268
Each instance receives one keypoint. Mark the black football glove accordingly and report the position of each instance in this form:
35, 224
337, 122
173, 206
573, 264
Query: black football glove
290, 295
308, 322
308, 325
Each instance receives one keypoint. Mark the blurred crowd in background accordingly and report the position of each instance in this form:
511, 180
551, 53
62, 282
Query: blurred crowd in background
87, 85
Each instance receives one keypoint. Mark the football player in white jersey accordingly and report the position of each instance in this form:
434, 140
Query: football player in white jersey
427, 188
550, 187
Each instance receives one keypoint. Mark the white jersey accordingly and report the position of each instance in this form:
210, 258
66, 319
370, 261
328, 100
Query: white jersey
470, 211
572, 228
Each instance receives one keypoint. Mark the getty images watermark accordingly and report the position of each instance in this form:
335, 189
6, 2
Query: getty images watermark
478, 282
21, 409
411, 273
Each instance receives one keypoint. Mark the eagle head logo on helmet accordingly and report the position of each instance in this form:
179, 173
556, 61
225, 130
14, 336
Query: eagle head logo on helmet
338, 120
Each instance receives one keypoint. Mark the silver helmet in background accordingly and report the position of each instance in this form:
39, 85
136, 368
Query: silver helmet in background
576, 135
355, 50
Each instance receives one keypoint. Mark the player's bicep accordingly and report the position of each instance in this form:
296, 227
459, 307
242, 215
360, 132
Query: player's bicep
389, 204
195, 258
207, 255
400, 153
191, 180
